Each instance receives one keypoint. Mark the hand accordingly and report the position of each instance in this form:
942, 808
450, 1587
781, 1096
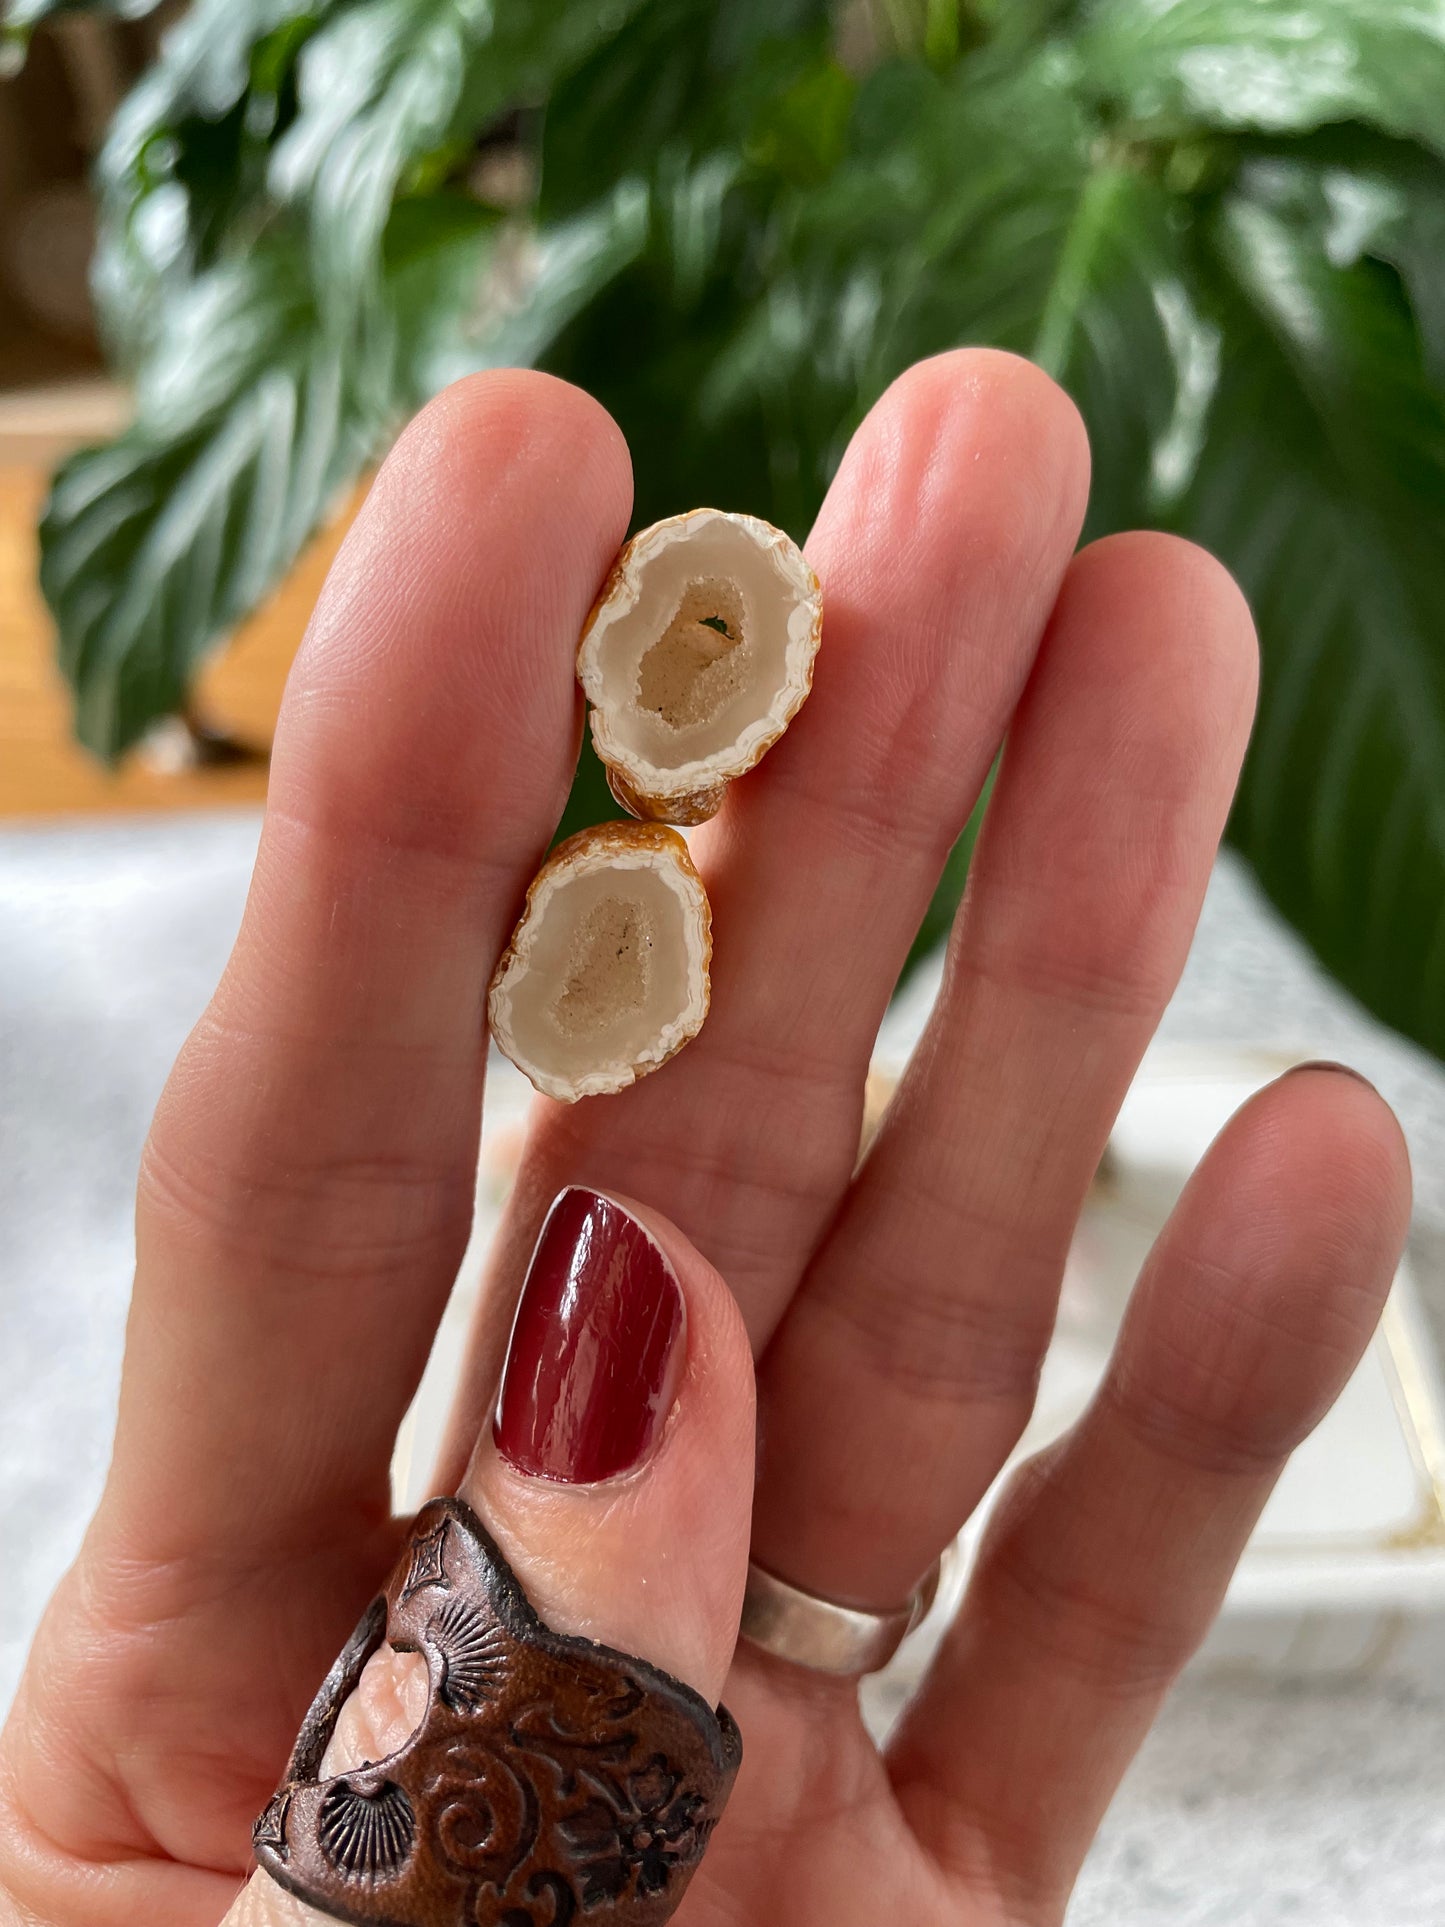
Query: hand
307, 1189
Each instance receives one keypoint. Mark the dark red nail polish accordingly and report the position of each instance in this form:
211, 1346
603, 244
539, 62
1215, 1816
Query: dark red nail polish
593, 1363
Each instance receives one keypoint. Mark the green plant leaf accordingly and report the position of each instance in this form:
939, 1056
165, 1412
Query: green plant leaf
678, 80
1273, 66
535, 287
19, 18
1204, 216
437, 254
252, 415
646, 358
336, 107
253, 412
998, 221
909, 246
385, 84
153, 547
181, 178
1388, 203
1121, 332
1331, 520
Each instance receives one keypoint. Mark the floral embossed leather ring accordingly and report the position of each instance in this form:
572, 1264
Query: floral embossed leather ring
550, 1779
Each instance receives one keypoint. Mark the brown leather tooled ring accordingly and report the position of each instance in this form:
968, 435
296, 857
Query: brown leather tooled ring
550, 1778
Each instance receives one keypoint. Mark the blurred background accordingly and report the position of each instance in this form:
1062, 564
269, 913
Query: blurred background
242, 241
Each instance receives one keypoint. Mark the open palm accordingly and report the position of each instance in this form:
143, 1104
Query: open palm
307, 1189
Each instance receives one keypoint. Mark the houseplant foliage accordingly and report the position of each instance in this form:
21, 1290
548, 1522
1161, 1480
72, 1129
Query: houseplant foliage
1220, 223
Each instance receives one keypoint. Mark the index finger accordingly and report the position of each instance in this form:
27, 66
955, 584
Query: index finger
307, 1188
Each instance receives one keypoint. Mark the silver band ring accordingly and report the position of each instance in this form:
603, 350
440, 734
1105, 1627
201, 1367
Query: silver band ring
821, 1634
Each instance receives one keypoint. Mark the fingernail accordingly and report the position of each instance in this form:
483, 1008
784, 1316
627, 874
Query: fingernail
596, 1348
1329, 1064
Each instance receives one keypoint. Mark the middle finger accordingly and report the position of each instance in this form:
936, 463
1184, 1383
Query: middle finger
940, 548
915, 1342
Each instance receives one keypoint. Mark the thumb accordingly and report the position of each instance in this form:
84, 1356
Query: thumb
616, 1475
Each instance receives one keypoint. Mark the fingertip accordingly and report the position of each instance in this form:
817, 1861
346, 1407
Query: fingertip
918, 456
1269, 1280
434, 697
1131, 732
956, 508
653, 1559
1190, 595
509, 492
518, 415
1029, 403
1335, 1154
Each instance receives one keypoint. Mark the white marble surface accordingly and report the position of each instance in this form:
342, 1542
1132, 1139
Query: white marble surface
1254, 1805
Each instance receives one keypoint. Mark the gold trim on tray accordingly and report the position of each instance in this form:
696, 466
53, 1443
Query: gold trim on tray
1421, 1422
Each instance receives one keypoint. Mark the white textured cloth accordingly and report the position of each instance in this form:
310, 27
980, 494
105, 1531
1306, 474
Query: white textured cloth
1251, 1806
